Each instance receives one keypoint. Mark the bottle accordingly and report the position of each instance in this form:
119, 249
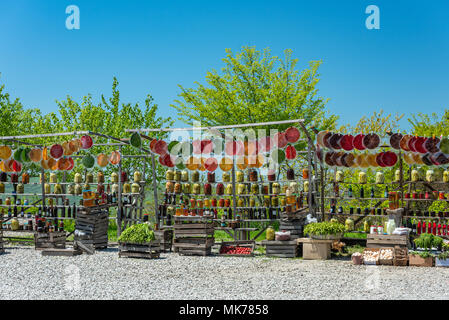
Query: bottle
418, 228
69, 212
372, 192
22, 213
340, 209
350, 192
15, 211
362, 192
74, 211
386, 192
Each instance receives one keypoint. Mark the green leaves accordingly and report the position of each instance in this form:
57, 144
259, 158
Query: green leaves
324, 228
138, 233
254, 86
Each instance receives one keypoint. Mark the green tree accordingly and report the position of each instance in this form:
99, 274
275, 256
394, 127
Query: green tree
256, 86
430, 124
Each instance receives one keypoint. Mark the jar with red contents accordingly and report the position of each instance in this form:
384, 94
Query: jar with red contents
271, 176
221, 203
220, 189
265, 189
227, 203
253, 175
208, 189
100, 188
213, 202
124, 177
211, 177
14, 178
290, 174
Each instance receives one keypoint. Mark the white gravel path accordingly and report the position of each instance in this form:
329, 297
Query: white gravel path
25, 274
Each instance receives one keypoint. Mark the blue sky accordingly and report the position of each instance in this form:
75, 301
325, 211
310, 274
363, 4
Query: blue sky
152, 46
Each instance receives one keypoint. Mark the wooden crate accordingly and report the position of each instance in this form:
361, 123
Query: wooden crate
281, 249
238, 243
45, 240
150, 250
386, 262
193, 235
378, 241
91, 227
165, 237
417, 261
313, 249
61, 252
370, 262
294, 226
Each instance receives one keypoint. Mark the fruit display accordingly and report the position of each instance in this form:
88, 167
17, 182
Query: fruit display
235, 250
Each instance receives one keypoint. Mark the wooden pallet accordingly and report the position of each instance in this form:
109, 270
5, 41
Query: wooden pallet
93, 223
52, 240
193, 235
150, 250
61, 252
238, 243
378, 241
281, 249
165, 238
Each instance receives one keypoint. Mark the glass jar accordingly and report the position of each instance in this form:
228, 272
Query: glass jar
169, 175
241, 202
252, 202
239, 176
276, 188
186, 188
241, 188
255, 188
211, 177
100, 177
305, 173
127, 188
195, 176
196, 189
207, 189
339, 176
228, 189
184, 176
362, 178
89, 178
226, 177
177, 176
114, 177
178, 187
271, 176
253, 176
219, 189
79, 188
380, 178
169, 187
290, 174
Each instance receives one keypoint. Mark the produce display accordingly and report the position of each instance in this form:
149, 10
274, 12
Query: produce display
235, 250
138, 234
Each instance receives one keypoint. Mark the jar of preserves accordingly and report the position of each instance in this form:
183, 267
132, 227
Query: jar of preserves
53, 178
207, 189
114, 177
195, 176
339, 176
213, 202
57, 189
25, 178
274, 201
178, 187
415, 175
219, 189
255, 188
266, 201
265, 189
228, 189
226, 177
430, 176
200, 203
290, 174
20, 188
239, 176
241, 188
177, 175
184, 175
282, 201
221, 202
169, 175
4, 176
252, 202
186, 188
306, 186
227, 203
42, 178
207, 203
276, 188
137, 176
380, 178
114, 188
446, 176
397, 175
271, 176
169, 187
127, 188
79, 189
211, 177
362, 177
196, 189
100, 177
349, 225
240, 202
8, 201
305, 173
47, 188
253, 175
71, 189
270, 233
89, 178
78, 178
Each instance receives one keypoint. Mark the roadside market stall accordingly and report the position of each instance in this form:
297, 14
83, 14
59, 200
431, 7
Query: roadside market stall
243, 182
47, 180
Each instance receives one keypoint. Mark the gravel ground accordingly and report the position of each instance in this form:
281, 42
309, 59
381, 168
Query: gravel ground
27, 275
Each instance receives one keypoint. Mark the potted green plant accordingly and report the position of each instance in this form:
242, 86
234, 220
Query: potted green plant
442, 260
324, 230
426, 242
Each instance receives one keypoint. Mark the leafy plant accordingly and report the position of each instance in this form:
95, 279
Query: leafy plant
138, 233
422, 254
443, 255
324, 228
439, 206
428, 241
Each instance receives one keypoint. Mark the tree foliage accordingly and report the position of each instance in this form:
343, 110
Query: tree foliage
430, 124
255, 86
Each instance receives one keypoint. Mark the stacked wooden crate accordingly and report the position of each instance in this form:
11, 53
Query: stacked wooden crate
91, 227
49, 240
193, 235
295, 227
281, 249
378, 241
150, 250
2, 248
165, 236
